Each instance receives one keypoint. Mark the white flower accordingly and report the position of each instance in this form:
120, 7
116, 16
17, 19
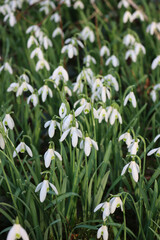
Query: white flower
87, 33
45, 41
153, 95
111, 81
13, 87
57, 31
44, 188
104, 50
129, 40
88, 60
115, 115
84, 106
56, 17
41, 64
133, 147
78, 4
126, 137
123, 3
103, 231
6, 66
114, 60
137, 14
74, 133
32, 40
11, 17
156, 62
24, 87
52, 124
37, 52
60, 72
127, 17
22, 147
45, 90
3, 131
132, 54
139, 47
105, 208
67, 121
130, 97
132, 168
155, 150
62, 110
8, 121
50, 155
70, 49
115, 202
33, 98
157, 137
104, 113
153, 27
87, 143
17, 232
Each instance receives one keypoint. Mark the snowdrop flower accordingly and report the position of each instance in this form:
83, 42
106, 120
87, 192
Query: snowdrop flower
50, 155
44, 188
155, 150
105, 207
57, 31
156, 62
24, 77
46, 5
111, 81
104, 113
52, 124
133, 147
12, 19
84, 106
131, 54
123, 3
87, 143
8, 121
62, 110
114, 60
115, 115
129, 40
139, 47
104, 50
87, 33
74, 133
56, 17
24, 87
115, 202
22, 147
70, 49
17, 232
78, 4
88, 60
127, 17
153, 27
86, 74
67, 91
130, 97
33, 98
32, 40
103, 231
41, 64
157, 137
6, 66
126, 137
60, 72
45, 90
13, 87
132, 168
153, 95
67, 2
46, 42
3, 131
37, 52
67, 122
104, 92
137, 15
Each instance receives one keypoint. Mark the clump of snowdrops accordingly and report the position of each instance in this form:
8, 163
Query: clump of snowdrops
79, 119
